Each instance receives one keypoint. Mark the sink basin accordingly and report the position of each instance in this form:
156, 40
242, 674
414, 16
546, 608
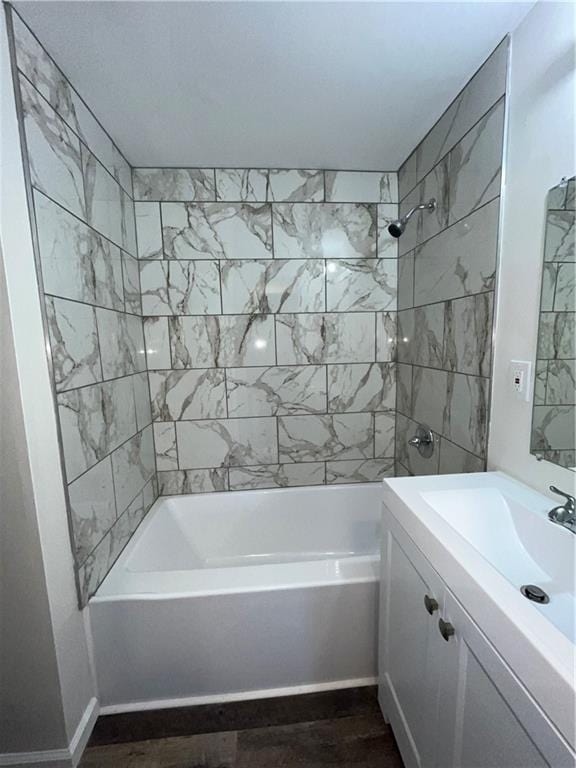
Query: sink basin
520, 542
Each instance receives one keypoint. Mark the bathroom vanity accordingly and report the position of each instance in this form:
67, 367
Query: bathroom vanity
473, 672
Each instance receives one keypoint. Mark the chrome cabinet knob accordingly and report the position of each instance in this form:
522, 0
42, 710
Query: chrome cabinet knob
446, 629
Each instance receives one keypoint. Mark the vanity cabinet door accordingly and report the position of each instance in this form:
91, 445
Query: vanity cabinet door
486, 717
408, 638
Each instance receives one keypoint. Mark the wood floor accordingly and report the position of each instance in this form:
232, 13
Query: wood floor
319, 730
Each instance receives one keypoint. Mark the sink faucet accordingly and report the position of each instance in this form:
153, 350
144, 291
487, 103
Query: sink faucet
564, 514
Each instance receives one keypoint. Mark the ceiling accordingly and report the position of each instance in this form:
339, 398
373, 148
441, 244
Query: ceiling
349, 85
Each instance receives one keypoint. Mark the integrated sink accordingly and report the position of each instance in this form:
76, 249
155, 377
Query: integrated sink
517, 540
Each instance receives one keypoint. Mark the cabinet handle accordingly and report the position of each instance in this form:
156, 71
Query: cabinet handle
446, 629
431, 604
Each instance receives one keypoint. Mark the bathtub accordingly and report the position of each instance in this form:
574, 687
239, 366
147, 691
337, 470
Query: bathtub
241, 595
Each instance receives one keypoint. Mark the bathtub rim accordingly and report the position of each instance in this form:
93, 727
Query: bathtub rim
362, 568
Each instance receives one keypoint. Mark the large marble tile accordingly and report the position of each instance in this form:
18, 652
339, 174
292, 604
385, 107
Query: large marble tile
193, 481
217, 230
361, 387
92, 508
553, 428
148, 230
460, 261
74, 343
279, 390
198, 394
276, 476
53, 152
560, 236
561, 382
384, 434
549, 275
269, 286
317, 438
475, 165
94, 569
408, 456
540, 381
404, 389
296, 186
173, 184
226, 341
142, 399
468, 334
421, 335
557, 336
180, 287
358, 470
165, 445
94, 421
425, 224
408, 175
361, 187
47, 78
121, 343
133, 464
108, 208
241, 184
77, 263
132, 290
565, 297
455, 460
325, 338
429, 393
354, 285
226, 442
466, 413
386, 336
479, 94
406, 281
323, 230
157, 343
387, 245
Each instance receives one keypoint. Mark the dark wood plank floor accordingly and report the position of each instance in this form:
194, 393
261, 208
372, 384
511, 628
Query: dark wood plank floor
319, 730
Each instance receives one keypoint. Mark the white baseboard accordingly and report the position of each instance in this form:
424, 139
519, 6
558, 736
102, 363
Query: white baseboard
265, 693
58, 758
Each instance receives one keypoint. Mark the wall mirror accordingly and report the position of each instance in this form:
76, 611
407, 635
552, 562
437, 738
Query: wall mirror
553, 435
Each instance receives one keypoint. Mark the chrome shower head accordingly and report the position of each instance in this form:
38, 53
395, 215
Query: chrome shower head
396, 228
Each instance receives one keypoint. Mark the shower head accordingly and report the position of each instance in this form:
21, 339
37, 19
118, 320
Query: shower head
396, 228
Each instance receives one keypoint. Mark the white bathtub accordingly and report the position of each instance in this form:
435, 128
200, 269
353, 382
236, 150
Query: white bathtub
240, 595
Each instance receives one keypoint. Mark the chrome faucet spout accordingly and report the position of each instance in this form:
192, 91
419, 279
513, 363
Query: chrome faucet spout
564, 514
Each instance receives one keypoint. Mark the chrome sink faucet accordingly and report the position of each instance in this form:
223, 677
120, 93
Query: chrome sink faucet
565, 514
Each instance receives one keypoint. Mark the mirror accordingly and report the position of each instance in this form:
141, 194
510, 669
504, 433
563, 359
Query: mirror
554, 413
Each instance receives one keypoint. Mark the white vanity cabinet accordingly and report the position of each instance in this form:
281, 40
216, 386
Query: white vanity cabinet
451, 699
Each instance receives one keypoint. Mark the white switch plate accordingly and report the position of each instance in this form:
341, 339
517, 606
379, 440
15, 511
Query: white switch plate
520, 379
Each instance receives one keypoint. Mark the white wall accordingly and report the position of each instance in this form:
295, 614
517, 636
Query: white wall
541, 149
64, 635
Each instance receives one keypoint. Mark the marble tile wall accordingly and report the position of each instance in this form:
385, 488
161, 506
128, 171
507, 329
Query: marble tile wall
553, 426
83, 212
446, 278
269, 302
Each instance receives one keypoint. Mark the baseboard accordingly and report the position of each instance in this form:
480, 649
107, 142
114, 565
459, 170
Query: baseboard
265, 693
58, 758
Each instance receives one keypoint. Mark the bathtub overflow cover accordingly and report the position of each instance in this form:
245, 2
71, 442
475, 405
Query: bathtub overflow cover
532, 592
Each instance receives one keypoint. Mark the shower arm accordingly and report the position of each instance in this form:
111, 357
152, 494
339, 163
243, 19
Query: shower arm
429, 206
